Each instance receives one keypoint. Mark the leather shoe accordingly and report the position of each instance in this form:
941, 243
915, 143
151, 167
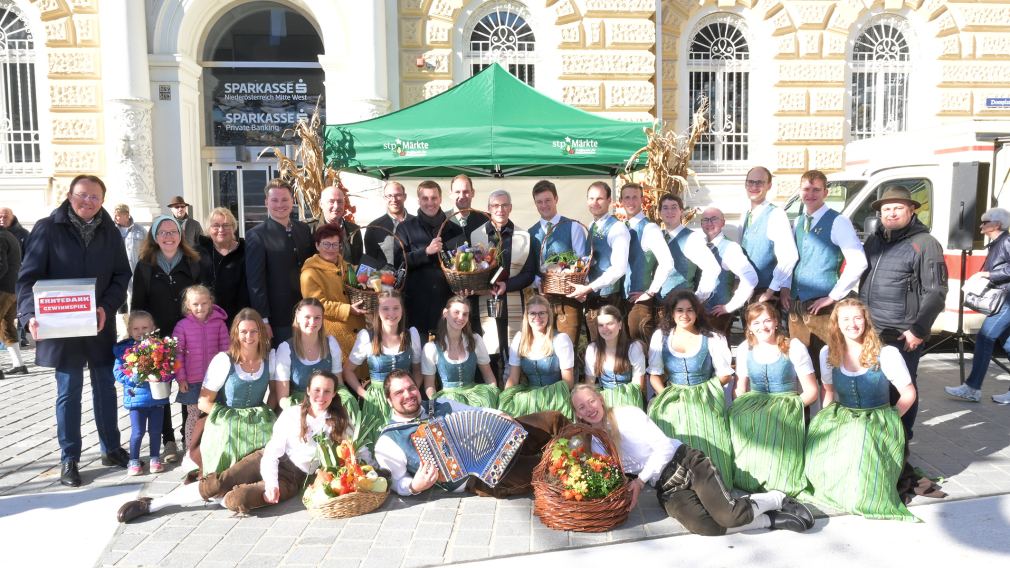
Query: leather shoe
786, 521
69, 475
794, 507
133, 509
117, 457
22, 370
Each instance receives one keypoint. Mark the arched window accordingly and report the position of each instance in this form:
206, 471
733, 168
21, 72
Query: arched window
20, 151
718, 66
879, 82
501, 33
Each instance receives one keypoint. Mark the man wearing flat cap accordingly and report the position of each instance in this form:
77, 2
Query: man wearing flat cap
191, 229
906, 284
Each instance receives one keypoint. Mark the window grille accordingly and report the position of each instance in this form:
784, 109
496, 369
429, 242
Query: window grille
878, 85
20, 150
718, 66
502, 34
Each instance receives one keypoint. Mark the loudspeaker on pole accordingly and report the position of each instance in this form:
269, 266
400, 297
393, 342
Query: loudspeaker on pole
969, 189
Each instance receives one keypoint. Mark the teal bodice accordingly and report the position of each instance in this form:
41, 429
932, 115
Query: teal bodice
687, 371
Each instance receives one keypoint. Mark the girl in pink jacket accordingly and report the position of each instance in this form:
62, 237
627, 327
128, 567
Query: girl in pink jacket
202, 334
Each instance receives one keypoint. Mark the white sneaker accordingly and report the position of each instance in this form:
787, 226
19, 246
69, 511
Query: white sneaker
964, 392
1001, 398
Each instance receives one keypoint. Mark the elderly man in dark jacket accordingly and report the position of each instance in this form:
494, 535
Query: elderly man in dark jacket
79, 240
332, 207
426, 291
906, 284
274, 253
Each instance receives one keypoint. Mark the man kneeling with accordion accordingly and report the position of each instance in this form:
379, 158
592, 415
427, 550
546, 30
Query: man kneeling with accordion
459, 447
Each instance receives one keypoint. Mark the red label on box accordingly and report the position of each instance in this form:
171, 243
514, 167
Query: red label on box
65, 304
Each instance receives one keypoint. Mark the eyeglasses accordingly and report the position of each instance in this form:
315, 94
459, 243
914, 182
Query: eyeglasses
755, 182
500, 206
168, 234
86, 197
222, 227
395, 196
536, 315
710, 220
328, 246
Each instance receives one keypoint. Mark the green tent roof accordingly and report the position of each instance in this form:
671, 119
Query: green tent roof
490, 125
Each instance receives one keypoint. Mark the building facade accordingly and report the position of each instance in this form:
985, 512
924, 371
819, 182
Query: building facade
181, 97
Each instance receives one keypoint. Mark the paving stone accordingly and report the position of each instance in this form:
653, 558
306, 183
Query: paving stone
149, 554
547, 539
438, 516
360, 532
400, 523
170, 534
196, 541
286, 527
470, 521
464, 553
384, 557
504, 545
127, 542
349, 549
182, 559
262, 560
474, 537
228, 553
433, 531
431, 549
273, 545
110, 557
306, 555
217, 526
512, 528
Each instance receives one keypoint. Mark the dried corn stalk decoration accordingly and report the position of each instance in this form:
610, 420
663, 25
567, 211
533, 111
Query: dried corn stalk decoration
668, 157
307, 172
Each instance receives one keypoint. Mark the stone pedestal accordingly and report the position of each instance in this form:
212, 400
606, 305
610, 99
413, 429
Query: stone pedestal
130, 158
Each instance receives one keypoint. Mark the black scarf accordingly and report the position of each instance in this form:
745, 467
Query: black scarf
86, 228
432, 221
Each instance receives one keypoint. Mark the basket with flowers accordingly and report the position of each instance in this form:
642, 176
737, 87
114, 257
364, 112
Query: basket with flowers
576, 489
341, 486
153, 360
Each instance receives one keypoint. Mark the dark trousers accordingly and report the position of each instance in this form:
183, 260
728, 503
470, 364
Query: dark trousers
692, 491
167, 435
912, 362
145, 421
242, 487
69, 387
541, 428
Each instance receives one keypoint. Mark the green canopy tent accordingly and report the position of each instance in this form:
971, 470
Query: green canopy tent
490, 125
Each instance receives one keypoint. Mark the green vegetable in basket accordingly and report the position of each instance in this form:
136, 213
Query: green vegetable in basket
569, 258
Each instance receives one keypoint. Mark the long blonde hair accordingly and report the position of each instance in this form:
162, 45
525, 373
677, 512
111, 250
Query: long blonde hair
870, 356
296, 335
609, 425
526, 338
262, 348
401, 327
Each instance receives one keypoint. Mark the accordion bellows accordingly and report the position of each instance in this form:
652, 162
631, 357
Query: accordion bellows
469, 442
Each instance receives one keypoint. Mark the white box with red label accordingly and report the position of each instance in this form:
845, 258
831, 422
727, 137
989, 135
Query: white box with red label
65, 308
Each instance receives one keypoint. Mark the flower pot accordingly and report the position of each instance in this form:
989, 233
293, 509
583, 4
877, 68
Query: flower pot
160, 391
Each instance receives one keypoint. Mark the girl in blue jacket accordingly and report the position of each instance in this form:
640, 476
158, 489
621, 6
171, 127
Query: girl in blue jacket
146, 414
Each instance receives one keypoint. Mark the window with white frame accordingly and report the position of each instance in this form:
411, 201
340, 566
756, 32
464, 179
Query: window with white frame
20, 150
718, 68
878, 87
501, 33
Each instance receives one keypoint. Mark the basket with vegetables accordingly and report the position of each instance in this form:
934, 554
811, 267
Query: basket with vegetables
342, 487
366, 281
469, 268
560, 272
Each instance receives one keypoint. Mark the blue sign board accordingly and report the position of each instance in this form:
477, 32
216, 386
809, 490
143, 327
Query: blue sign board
997, 102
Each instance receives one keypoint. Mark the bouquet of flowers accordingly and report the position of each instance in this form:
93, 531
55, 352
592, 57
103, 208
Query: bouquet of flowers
471, 258
152, 359
581, 473
340, 474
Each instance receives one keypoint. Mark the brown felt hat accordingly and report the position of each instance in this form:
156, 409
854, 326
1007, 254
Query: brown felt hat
896, 193
177, 200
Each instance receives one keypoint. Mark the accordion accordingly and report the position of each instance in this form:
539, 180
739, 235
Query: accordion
469, 442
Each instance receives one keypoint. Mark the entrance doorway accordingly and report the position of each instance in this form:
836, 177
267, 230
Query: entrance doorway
239, 186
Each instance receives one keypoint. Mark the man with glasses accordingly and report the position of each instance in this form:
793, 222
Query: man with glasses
275, 252
724, 301
381, 245
649, 265
767, 238
191, 228
519, 268
463, 193
79, 239
332, 207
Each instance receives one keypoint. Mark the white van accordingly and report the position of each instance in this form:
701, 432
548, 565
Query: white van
924, 163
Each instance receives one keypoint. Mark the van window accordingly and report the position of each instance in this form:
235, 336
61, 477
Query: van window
840, 194
922, 191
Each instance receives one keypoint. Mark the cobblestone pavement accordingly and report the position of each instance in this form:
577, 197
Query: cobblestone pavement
967, 444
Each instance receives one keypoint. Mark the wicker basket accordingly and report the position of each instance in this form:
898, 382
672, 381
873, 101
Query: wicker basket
477, 282
370, 298
563, 283
556, 512
350, 505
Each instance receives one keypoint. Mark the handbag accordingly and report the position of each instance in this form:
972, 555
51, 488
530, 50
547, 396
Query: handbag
988, 302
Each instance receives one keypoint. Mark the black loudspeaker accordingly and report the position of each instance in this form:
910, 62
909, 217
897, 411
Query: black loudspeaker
968, 201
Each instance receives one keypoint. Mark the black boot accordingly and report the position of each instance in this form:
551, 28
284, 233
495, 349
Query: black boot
69, 475
22, 370
116, 457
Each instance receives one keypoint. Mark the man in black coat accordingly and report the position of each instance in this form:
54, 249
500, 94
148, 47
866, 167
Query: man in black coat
10, 263
79, 240
274, 253
462, 192
427, 291
906, 285
380, 244
9, 221
333, 206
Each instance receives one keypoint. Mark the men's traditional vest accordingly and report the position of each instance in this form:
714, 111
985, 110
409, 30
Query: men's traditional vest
400, 433
820, 259
641, 262
724, 285
560, 240
682, 277
601, 254
760, 250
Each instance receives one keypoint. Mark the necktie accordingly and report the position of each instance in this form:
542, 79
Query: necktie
746, 220
547, 229
807, 220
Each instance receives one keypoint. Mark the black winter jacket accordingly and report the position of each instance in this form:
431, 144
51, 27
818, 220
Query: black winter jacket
160, 294
997, 263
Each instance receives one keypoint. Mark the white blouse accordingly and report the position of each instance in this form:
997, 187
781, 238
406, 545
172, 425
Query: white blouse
636, 356
645, 449
429, 359
363, 347
891, 363
282, 360
221, 365
718, 350
767, 354
563, 348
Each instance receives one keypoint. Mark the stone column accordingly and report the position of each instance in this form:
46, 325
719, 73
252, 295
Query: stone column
126, 85
357, 87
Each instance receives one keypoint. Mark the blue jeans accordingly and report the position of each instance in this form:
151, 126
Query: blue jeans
994, 328
69, 385
146, 421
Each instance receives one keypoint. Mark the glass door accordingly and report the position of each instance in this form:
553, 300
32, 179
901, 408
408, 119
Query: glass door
239, 187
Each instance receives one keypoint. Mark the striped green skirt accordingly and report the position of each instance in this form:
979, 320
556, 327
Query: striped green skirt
375, 412
627, 394
523, 399
233, 433
481, 395
696, 415
853, 459
768, 435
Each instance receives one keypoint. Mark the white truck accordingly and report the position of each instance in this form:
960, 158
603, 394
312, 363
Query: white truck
925, 162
